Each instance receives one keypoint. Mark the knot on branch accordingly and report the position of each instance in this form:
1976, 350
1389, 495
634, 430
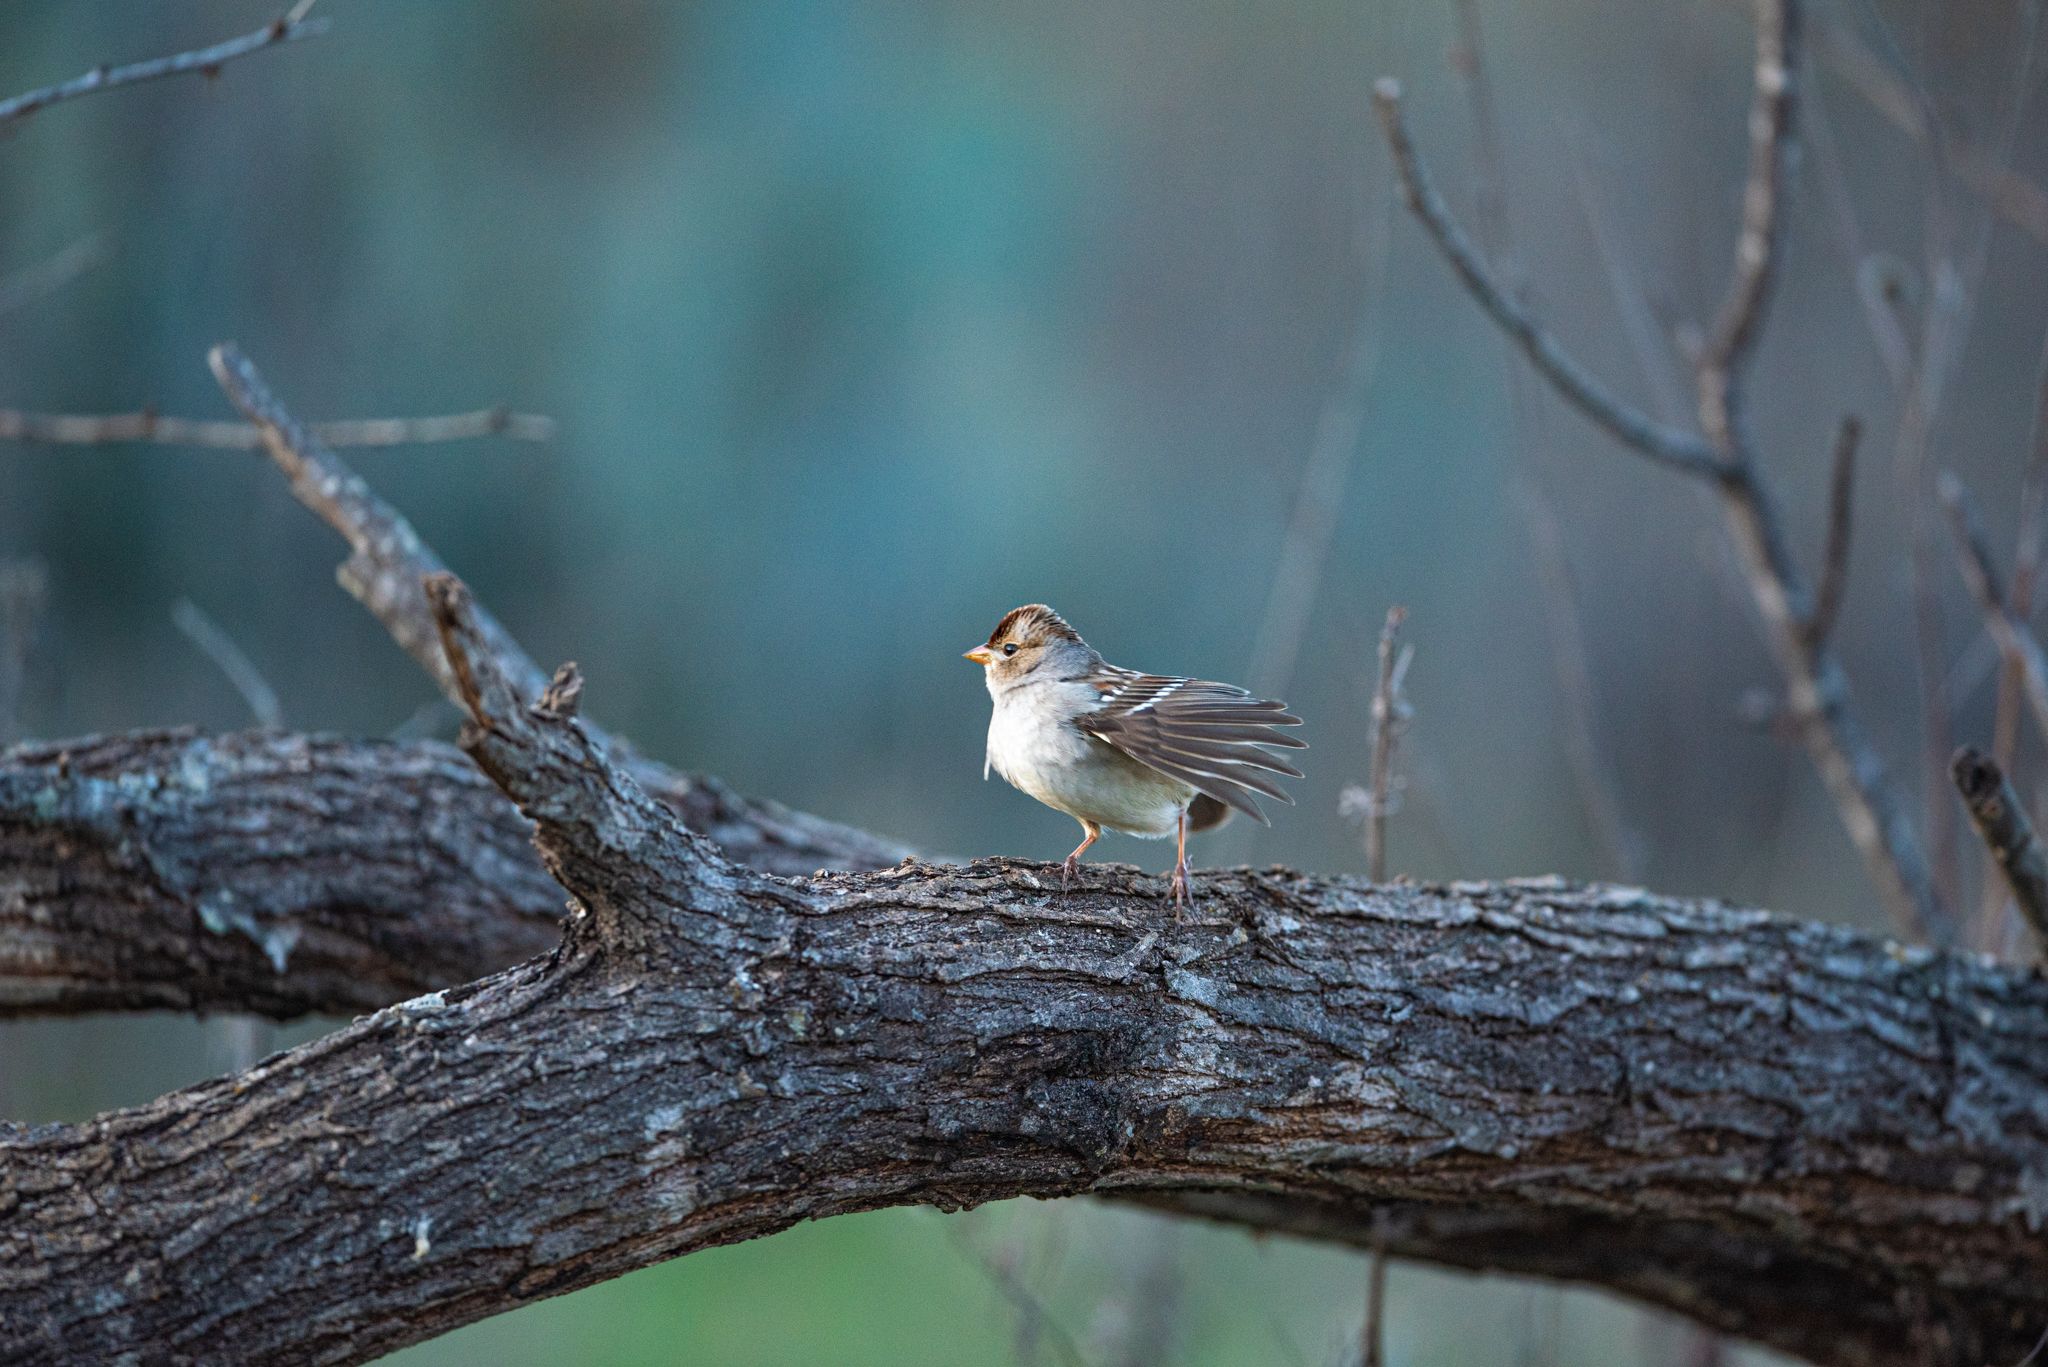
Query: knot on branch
650, 887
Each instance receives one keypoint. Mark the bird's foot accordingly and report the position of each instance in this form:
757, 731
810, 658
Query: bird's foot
1183, 900
1067, 872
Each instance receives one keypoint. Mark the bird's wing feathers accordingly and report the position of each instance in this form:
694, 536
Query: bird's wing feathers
1205, 734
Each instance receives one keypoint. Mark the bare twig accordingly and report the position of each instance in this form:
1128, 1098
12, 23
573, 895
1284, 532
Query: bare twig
1373, 1339
1973, 554
26, 286
214, 643
1732, 340
389, 561
101, 429
1876, 288
2011, 196
1817, 687
1647, 340
2025, 566
1570, 659
24, 591
1035, 1321
1312, 522
2001, 821
1834, 572
1659, 441
206, 61
1386, 720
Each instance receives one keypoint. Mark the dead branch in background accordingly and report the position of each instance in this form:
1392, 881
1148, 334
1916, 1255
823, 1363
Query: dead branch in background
2001, 821
24, 593
2013, 197
2026, 565
1373, 1337
386, 566
26, 286
2016, 640
1599, 791
1817, 686
235, 665
1956, 254
1387, 710
1834, 561
1312, 522
206, 61
104, 429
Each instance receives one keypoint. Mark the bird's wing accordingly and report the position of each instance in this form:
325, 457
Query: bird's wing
1207, 735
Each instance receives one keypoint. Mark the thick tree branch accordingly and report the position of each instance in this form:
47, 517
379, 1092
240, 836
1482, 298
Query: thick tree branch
274, 874
1818, 690
105, 429
1528, 1077
1663, 1097
384, 572
206, 61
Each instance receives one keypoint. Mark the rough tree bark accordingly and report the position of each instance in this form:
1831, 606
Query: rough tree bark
1796, 1133
284, 875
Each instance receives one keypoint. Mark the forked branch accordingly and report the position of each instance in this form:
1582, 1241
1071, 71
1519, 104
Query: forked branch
1817, 688
388, 564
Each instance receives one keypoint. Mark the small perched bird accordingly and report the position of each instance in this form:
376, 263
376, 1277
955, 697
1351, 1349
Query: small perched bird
1146, 754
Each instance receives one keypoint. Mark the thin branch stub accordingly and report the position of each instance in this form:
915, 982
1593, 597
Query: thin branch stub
2001, 820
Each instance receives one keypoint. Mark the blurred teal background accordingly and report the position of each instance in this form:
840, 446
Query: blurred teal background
864, 322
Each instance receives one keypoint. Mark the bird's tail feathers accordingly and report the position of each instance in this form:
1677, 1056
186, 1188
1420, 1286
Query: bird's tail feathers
1205, 813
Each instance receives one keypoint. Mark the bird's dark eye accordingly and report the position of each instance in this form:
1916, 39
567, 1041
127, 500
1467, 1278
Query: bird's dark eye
1009, 648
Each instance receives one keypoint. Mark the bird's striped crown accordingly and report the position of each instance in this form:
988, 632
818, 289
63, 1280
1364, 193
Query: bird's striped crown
1033, 619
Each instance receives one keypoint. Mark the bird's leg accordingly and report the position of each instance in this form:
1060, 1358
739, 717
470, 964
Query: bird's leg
1181, 898
1093, 833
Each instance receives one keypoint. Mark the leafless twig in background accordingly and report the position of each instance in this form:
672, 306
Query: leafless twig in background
2026, 566
1956, 255
2013, 197
1373, 1338
2001, 821
1661, 442
1817, 686
1035, 1323
1834, 564
1599, 791
102, 429
206, 61
1283, 626
24, 592
214, 643
1973, 554
1388, 710
1876, 286
26, 286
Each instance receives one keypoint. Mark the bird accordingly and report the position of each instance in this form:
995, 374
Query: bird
1150, 755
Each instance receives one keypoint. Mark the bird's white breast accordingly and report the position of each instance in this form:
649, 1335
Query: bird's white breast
1033, 743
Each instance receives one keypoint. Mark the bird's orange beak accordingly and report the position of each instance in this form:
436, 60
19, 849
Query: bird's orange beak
981, 655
